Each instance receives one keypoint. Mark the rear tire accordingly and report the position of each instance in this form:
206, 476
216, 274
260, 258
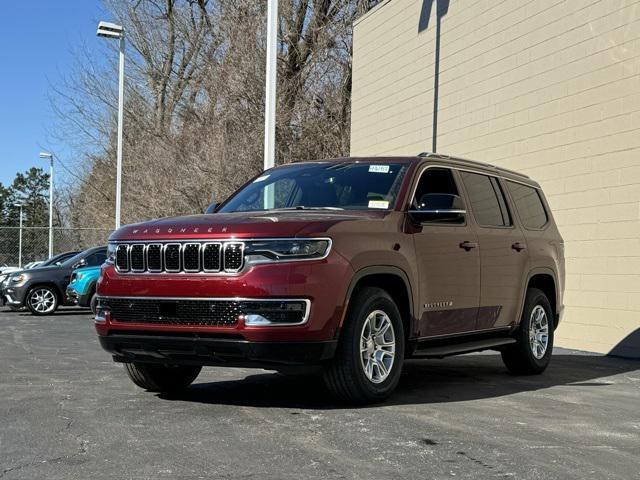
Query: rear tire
368, 361
162, 378
531, 354
42, 300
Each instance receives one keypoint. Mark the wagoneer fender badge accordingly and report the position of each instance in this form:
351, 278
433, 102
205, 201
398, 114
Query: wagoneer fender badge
438, 304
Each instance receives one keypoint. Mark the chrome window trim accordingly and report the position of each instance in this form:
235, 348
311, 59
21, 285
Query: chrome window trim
182, 251
305, 318
224, 257
424, 167
135, 270
146, 249
203, 248
164, 257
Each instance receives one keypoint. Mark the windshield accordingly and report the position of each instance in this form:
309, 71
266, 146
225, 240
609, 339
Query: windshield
56, 259
73, 260
331, 186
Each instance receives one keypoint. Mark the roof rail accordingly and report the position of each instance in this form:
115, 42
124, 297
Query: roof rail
432, 154
471, 163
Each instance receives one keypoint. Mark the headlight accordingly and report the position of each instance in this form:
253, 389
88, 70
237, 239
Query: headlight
18, 278
262, 251
111, 253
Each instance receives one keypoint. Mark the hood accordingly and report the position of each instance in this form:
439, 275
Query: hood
32, 272
244, 225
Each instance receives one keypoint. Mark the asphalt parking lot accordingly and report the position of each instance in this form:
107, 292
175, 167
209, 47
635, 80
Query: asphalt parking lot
68, 412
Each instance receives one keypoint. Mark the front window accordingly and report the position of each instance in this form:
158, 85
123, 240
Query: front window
330, 186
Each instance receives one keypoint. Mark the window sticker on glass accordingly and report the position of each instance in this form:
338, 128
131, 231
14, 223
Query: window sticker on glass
379, 169
378, 204
261, 179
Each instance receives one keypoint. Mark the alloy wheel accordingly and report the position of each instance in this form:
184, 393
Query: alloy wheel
538, 332
377, 346
42, 300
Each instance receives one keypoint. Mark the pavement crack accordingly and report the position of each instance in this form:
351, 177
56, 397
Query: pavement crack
82, 450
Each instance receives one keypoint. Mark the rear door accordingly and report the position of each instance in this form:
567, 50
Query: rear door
503, 251
449, 268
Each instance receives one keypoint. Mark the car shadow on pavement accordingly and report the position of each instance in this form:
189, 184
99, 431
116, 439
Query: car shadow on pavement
455, 379
60, 312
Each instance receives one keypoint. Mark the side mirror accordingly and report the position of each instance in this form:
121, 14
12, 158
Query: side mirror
439, 208
212, 208
80, 263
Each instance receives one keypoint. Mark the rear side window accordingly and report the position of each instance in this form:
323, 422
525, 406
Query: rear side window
487, 200
529, 205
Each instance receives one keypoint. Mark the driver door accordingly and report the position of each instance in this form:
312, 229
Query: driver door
448, 261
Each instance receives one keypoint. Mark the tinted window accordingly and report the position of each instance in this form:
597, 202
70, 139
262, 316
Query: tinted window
529, 205
487, 200
437, 180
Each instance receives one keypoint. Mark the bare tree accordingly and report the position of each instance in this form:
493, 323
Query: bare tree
194, 107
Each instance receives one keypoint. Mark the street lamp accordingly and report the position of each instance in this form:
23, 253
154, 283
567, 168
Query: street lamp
111, 30
270, 97
20, 205
270, 85
49, 156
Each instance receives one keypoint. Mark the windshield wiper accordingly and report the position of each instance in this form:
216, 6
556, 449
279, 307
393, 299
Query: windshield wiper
302, 207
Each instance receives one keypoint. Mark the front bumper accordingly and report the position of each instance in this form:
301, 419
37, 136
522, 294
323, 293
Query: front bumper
75, 298
323, 283
213, 350
14, 296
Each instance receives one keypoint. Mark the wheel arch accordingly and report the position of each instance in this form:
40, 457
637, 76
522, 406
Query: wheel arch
395, 282
544, 279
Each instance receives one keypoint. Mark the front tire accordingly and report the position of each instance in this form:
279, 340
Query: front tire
42, 301
370, 354
162, 378
531, 353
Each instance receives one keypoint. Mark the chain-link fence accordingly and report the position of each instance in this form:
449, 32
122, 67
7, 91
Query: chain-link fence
35, 242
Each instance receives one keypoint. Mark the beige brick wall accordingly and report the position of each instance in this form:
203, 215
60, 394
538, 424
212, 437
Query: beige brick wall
547, 87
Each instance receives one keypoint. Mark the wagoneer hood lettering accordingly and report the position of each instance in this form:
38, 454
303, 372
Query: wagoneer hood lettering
241, 225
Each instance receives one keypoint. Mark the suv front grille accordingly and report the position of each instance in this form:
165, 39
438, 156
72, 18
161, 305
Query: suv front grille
205, 312
188, 257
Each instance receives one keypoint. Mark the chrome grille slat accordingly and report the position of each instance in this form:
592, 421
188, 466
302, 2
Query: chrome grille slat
136, 258
122, 257
174, 257
154, 257
191, 257
233, 256
211, 259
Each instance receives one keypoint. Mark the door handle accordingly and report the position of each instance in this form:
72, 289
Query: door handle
468, 245
518, 247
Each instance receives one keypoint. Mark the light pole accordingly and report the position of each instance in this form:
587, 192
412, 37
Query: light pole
20, 205
270, 97
49, 156
111, 30
270, 86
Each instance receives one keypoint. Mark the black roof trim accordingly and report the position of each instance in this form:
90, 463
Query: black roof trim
470, 163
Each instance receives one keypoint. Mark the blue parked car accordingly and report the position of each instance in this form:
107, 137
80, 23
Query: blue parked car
82, 288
